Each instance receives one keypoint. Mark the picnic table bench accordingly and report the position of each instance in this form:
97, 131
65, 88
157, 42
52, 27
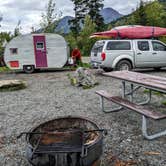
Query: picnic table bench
136, 81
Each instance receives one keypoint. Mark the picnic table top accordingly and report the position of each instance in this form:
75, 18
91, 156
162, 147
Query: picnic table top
147, 80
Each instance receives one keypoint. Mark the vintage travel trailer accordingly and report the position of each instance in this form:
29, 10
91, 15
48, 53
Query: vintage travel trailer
36, 51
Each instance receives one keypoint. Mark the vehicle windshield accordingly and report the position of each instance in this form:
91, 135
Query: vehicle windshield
98, 46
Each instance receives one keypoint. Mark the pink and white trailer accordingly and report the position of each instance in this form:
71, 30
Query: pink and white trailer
36, 51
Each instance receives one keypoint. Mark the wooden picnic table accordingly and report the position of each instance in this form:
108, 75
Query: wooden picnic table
135, 81
145, 80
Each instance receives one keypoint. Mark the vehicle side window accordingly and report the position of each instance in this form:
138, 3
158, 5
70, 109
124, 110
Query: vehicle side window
143, 45
158, 46
118, 45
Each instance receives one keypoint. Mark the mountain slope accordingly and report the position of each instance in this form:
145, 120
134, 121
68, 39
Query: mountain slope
108, 14
153, 11
63, 25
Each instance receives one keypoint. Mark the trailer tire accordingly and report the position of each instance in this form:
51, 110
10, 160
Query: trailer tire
28, 69
123, 65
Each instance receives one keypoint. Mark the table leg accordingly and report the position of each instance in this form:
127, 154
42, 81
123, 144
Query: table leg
124, 94
144, 130
123, 89
148, 99
110, 110
131, 93
131, 96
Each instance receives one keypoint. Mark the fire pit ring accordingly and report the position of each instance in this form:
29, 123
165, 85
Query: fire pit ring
79, 132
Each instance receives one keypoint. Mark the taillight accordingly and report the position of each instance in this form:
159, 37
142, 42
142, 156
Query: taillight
103, 56
14, 64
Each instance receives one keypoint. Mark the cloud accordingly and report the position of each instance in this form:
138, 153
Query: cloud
25, 5
29, 12
123, 6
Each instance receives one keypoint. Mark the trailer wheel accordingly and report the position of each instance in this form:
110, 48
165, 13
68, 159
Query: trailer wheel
123, 65
28, 69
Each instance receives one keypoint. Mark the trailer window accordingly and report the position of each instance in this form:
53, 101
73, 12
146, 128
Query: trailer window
13, 51
39, 45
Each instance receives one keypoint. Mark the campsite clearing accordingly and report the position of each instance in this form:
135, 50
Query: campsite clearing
49, 95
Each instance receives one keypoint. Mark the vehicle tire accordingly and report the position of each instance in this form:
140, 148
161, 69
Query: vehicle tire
28, 69
123, 65
157, 68
106, 69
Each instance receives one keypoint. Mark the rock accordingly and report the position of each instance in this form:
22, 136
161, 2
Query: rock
9, 85
85, 78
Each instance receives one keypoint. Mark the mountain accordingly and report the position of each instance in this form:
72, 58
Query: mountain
108, 14
151, 6
63, 25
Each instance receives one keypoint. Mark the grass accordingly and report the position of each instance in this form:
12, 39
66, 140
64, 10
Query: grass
164, 102
89, 86
160, 94
86, 65
4, 69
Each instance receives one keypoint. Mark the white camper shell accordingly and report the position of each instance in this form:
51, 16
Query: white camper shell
36, 51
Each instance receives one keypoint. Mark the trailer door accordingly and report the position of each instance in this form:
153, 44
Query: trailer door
40, 51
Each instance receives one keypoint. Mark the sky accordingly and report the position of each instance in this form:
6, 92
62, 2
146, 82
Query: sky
29, 11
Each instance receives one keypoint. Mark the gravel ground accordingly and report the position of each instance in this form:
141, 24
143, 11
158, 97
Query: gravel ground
49, 95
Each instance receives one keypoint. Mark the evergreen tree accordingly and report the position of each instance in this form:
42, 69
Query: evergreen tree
155, 14
81, 9
17, 29
1, 17
84, 42
33, 30
161, 1
80, 12
131, 20
94, 7
140, 14
50, 18
163, 15
4, 38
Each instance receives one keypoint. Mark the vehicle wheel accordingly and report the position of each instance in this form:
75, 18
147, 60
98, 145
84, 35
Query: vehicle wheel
28, 69
157, 68
123, 65
107, 69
